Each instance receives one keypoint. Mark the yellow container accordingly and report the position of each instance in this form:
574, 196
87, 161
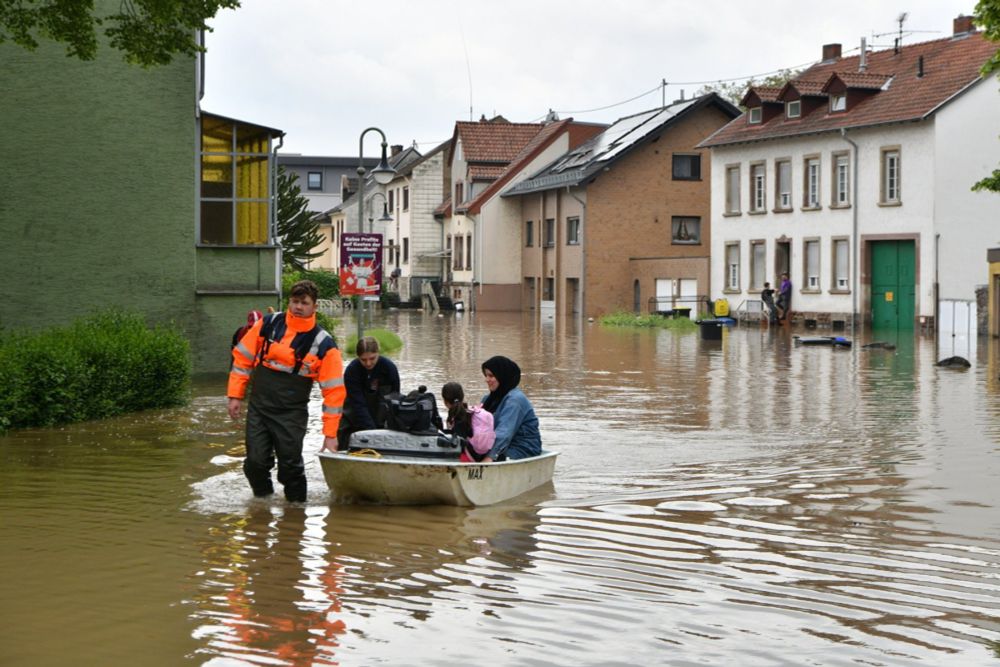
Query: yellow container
721, 308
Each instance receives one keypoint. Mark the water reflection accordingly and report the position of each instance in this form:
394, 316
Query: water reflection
744, 501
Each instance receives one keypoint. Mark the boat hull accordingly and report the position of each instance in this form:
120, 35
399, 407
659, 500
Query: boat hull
413, 481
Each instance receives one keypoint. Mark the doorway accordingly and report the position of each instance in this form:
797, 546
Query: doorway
782, 260
893, 271
636, 298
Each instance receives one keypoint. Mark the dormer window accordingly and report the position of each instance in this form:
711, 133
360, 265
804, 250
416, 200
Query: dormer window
755, 115
838, 101
793, 109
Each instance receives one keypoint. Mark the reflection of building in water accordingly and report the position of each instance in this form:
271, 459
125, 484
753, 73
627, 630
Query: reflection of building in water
263, 610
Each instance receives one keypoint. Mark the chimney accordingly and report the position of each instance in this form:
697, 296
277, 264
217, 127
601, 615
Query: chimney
962, 25
396, 149
863, 60
831, 52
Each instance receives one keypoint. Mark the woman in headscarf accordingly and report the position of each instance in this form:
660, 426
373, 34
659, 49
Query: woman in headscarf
514, 419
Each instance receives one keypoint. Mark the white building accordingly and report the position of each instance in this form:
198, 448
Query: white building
855, 179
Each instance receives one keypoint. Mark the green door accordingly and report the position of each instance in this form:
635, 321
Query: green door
893, 284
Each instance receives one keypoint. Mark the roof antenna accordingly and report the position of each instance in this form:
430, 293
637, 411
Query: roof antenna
468, 66
901, 19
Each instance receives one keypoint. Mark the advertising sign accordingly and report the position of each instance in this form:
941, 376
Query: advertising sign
360, 264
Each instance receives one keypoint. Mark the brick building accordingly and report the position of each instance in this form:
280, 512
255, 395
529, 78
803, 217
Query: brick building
621, 222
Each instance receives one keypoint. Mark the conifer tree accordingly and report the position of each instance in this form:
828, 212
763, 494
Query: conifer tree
298, 227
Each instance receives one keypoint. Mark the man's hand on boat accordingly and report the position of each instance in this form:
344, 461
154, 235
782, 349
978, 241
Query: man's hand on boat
329, 444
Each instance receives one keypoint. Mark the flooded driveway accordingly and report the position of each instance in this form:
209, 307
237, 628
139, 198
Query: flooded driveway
745, 501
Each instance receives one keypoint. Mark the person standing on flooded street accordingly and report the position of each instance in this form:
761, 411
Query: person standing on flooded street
514, 420
285, 353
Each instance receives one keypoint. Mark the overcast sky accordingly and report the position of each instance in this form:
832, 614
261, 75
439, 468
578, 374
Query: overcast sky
324, 70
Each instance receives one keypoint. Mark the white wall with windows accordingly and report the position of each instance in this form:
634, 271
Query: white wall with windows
788, 190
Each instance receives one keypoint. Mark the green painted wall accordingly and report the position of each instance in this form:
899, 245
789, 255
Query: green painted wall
97, 194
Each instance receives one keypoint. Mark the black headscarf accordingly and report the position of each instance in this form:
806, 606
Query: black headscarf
507, 373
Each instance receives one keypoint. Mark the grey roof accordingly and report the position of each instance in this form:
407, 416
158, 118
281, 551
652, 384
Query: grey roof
297, 160
587, 160
407, 158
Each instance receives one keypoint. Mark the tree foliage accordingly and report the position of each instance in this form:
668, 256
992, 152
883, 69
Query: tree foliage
734, 91
147, 32
987, 17
298, 227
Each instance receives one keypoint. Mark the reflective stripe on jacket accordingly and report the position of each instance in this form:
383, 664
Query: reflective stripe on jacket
322, 363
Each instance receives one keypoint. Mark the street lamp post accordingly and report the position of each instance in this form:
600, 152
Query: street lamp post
385, 210
382, 174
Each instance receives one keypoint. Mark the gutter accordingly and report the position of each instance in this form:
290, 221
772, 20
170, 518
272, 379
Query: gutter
583, 252
274, 215
854, 234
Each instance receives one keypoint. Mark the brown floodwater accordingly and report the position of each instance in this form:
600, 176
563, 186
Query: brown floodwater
737, 502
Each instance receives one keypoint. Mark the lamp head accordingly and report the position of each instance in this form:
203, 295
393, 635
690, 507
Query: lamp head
383, 173
385, 213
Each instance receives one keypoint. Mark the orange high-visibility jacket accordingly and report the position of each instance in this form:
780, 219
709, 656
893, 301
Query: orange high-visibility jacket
322, 363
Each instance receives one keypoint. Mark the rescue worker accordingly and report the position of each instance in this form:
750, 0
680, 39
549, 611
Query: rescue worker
284, 353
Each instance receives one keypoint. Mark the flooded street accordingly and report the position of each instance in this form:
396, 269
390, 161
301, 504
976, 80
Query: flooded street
743, 502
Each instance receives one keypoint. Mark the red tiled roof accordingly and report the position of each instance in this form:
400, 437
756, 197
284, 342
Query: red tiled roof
803, 88
579, 132
949, 66
494, 141
485, 172
763, 93
443, 209
862, 80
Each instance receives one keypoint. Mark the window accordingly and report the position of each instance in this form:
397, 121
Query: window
406, 198
811, 186
758, 195
687, 167
529, 234
783, 182
550, 232
391, 200
732, 266
793, 109
549, 289
468, 252
841, 180
811, 255
838, 102
448, 245
755, 115
235, 202
457, 260
733, 189
841, 265
685, 230
890, 176
573, 231
406, 250
314, 180
459, 189
758, 266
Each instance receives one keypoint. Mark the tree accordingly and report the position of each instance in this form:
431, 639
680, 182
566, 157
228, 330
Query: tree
987, 16
298, 227
148, 32
734, 91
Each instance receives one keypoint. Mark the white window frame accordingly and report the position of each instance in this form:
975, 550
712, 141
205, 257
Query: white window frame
758, 264
838, 102
783, 184
733, 189
573, 230
890, 190
793, 109
758, 187
733, 266
811, 264
841, 265
813, 174
755, 115
841, 179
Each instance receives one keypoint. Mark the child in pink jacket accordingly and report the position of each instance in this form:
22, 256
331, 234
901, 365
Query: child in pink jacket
474, 424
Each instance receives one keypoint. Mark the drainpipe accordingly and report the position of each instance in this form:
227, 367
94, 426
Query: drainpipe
583, 252
937, 286
854, 234
274, 214
477, 260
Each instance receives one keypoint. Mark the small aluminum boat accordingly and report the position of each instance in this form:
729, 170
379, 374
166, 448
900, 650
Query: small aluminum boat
401, 480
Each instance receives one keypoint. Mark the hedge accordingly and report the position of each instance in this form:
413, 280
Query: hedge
107, 364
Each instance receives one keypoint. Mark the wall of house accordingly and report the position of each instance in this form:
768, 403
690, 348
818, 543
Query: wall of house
967, 148
498, 251
97, 202
559, 262
329, 197
426, 193
912, 218
629, 212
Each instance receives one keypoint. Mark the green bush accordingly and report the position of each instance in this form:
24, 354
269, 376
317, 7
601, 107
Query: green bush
104, 365
327, 282
626, 319
388, 342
